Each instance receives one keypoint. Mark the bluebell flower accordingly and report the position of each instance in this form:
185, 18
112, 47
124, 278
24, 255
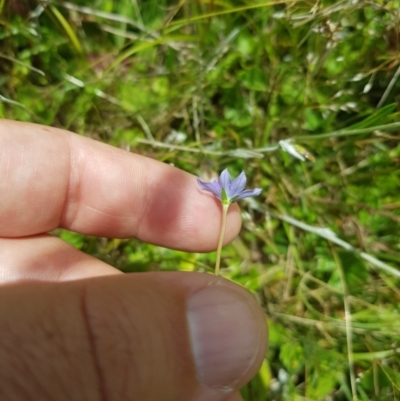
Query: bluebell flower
227, 190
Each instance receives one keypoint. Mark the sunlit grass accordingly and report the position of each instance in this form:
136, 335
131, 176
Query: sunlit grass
210, 84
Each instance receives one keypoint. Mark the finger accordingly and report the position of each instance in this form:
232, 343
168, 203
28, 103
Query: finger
53, 178
44, 257
151, 336
234, 397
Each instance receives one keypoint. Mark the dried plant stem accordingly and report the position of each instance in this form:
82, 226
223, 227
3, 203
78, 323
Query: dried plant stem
221, 237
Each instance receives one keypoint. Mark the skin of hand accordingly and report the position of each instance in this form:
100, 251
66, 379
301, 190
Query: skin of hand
75, 328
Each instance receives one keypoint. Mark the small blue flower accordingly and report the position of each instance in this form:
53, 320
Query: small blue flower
227, 190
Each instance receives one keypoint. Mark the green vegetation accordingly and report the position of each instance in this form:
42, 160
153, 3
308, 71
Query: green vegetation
210, 84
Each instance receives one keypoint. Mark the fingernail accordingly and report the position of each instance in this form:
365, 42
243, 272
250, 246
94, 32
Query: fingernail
227, 333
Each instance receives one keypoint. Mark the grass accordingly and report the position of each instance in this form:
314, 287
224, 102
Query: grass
210, 84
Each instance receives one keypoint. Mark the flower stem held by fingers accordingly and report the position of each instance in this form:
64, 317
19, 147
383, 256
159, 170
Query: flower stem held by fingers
221, 238
227, 191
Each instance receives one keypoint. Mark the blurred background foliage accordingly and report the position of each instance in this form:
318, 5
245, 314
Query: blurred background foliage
209, 84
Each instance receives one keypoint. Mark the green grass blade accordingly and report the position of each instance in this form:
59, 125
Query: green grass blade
68, 29
147, 45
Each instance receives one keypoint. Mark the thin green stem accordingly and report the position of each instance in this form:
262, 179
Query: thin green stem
348, 132
348, 323
225, 208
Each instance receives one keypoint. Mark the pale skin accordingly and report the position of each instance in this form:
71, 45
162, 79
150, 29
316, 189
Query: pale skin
75, 328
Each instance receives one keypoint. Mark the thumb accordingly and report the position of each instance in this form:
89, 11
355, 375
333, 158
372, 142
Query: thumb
149, 336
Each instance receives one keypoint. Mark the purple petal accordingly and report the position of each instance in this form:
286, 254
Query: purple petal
237, 186
212, 187
225, 180
247, 193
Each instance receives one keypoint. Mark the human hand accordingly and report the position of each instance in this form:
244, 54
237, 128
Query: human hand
75, 328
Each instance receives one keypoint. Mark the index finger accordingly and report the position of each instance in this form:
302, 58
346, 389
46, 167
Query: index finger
53, 178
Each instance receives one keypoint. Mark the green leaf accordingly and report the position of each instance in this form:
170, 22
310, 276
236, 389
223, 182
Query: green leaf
292, 356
